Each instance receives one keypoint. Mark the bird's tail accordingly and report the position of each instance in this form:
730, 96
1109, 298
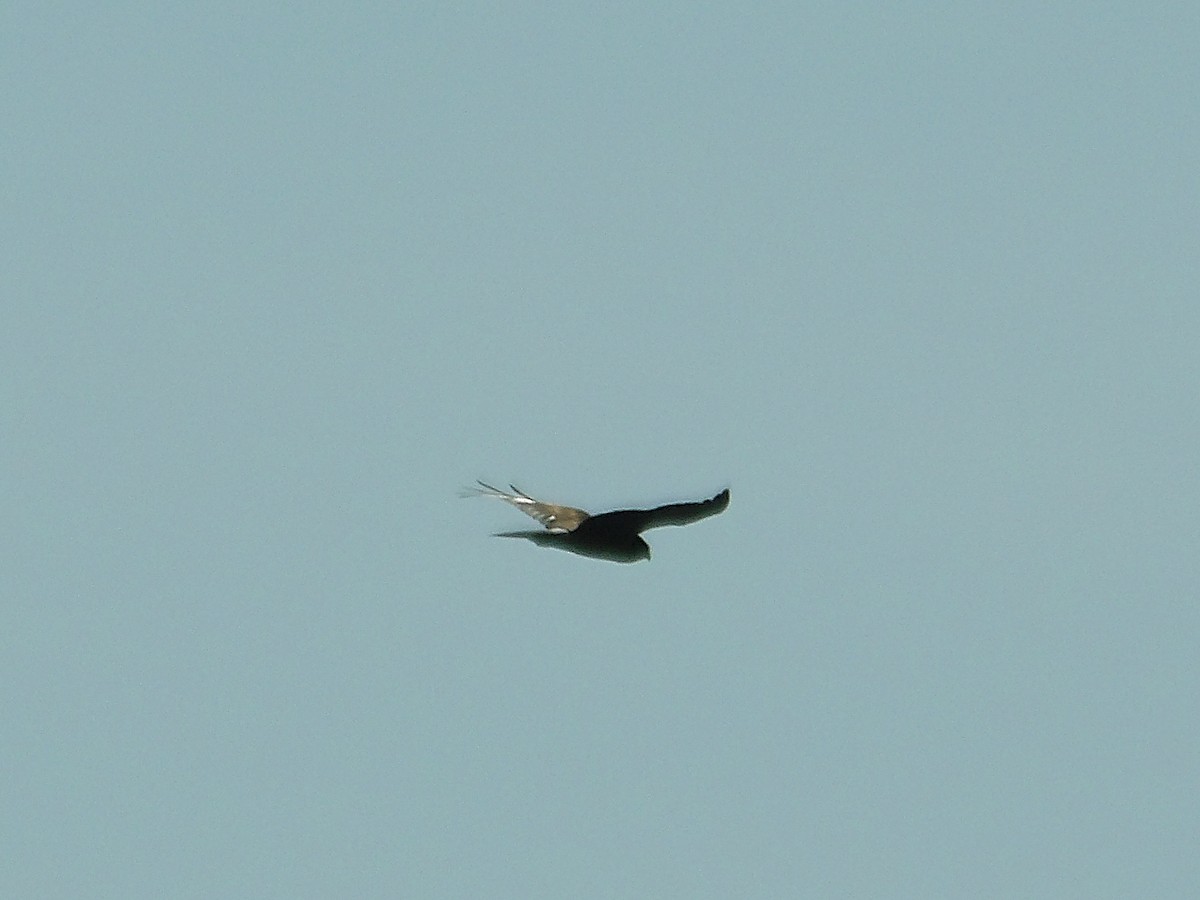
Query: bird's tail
541, 538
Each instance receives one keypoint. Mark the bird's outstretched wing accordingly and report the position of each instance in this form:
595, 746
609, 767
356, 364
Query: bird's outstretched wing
552, 516
640, 520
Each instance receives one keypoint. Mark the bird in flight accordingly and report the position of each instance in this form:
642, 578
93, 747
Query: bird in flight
614, 536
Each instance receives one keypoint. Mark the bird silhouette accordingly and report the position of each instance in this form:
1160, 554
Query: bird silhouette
614, 536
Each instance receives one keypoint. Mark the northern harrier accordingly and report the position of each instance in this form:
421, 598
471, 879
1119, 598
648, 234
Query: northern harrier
612, 535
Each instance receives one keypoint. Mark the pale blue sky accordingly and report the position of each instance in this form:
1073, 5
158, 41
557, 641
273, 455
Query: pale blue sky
917, 281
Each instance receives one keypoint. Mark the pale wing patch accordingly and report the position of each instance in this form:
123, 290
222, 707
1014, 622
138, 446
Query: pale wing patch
553, 517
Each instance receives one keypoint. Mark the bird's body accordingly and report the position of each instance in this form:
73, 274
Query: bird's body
614, 536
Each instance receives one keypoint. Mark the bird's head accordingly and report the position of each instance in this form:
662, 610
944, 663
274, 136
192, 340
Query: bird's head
637, 550
631, 550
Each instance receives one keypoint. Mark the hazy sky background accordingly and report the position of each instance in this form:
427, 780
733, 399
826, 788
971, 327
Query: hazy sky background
919, 282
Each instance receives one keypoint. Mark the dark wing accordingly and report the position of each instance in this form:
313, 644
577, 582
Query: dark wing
639, 520
553, 517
